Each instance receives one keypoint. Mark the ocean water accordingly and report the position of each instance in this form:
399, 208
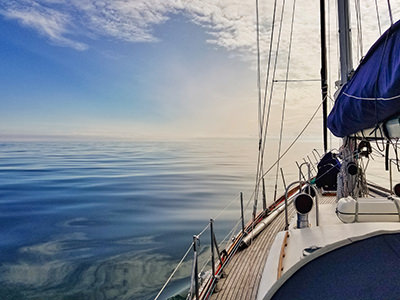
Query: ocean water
110, 220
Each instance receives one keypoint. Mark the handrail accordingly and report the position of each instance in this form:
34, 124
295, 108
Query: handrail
301, 173
299, 182
282, 255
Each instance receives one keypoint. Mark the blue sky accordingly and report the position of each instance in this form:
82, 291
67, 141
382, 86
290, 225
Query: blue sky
83, 82
143, 69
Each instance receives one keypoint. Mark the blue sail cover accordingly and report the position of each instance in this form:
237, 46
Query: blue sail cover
373, 93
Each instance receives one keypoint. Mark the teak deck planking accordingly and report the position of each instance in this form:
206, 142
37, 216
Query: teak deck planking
243, 274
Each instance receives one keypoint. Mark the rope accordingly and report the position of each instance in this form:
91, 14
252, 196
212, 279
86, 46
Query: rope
331, 98
173, 273
284, 97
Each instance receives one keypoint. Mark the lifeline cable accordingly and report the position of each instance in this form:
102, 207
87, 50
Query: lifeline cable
173, 273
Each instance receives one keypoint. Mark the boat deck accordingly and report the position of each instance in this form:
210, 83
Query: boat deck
243, 274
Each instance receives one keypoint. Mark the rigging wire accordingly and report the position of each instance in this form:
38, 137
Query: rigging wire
261, 153
329, 64
390, 12
295, 139
259, 100
271, 88
259, 159
258, 71
298, 80
359, 30
284, 97
337, 43
378, 18
260, 118
268, 70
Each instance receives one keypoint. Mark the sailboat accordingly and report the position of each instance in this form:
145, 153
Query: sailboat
332, 234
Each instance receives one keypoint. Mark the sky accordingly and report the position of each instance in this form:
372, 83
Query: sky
155, 68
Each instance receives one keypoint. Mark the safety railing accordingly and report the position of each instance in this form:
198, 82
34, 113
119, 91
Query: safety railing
216, 255
204, 278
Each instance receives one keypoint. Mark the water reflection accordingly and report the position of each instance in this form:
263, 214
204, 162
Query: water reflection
108, 220
111, 220
50, 271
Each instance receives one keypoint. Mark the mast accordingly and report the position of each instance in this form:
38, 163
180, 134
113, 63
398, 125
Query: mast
346, 179
324, 85
346, 60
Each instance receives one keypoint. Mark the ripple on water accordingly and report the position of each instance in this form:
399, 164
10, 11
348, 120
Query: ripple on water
109, 220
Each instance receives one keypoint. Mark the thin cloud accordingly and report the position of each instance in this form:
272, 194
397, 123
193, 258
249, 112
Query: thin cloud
48, 22
230, 24
130, 21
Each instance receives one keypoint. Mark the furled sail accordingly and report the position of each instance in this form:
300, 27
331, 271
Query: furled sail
373, 93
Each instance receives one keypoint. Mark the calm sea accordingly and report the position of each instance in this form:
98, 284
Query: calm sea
110, 220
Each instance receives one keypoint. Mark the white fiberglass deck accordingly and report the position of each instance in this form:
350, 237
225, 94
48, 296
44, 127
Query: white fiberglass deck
250, 274
329, 235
